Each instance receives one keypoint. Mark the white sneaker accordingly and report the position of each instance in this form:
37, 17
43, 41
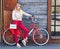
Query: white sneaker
26, 39
18, 45
24, 42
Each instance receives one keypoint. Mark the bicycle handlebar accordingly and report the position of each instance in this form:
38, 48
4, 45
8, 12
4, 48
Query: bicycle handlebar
34, 20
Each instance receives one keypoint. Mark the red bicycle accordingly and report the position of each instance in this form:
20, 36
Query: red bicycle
40, 35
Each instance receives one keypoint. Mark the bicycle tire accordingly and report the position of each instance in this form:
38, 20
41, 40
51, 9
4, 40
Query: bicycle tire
8, 37
40, 41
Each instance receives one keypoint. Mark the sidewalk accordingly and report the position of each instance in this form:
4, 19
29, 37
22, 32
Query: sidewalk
47, 46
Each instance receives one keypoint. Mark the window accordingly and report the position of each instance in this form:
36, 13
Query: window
55, 19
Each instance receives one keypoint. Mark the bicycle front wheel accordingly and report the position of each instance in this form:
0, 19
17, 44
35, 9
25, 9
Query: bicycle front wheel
42, 37
8, 37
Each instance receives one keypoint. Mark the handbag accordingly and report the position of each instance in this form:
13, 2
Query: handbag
13, 26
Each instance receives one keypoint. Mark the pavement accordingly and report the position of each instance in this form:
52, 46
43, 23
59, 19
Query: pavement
30, 46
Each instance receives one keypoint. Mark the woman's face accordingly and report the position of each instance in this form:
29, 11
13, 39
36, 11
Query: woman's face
18, 6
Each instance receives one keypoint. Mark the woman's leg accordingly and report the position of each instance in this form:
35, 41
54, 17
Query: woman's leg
16, 34
25, 34
25, 30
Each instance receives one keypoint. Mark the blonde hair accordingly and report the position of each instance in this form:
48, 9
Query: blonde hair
17, 5
16, 8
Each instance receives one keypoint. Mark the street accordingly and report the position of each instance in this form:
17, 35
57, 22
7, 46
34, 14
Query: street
47, 46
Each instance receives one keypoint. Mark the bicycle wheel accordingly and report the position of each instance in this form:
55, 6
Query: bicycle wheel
41, 40
8, 37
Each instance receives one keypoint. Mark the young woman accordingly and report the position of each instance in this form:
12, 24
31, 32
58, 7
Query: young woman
17, 15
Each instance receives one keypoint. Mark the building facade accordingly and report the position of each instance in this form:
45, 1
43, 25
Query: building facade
46, 11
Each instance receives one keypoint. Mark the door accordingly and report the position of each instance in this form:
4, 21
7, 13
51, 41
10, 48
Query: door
8, 6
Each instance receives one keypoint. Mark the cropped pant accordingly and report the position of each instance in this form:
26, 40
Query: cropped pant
20, 25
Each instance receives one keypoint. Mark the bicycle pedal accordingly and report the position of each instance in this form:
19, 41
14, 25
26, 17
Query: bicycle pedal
41, 36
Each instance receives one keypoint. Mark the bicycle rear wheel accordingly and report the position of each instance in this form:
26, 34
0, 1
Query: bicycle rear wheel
8, 37
41, 40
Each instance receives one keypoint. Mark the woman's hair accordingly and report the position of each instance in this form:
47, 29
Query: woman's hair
17, 5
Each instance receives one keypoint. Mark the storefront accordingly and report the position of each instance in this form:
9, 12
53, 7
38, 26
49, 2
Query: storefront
42, 9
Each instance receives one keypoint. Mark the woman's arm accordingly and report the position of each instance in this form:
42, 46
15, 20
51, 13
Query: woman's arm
24, 13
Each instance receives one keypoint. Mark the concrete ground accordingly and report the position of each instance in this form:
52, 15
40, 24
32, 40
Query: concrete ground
31, 46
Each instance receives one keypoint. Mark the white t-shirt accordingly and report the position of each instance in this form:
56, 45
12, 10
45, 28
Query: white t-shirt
17, 15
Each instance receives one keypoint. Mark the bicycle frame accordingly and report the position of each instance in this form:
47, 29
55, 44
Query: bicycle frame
34, 28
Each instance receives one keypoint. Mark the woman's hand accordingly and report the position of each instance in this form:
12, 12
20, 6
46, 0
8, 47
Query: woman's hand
33, 16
